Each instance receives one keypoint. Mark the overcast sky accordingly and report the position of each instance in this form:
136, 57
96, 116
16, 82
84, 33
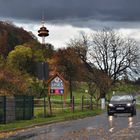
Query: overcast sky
66, 18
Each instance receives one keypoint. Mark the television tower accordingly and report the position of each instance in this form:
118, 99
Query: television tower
43, 70
43, 31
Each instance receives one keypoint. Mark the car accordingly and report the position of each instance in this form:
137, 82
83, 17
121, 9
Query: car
122, 103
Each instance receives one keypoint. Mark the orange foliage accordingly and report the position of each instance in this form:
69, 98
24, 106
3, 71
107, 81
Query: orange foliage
11, 83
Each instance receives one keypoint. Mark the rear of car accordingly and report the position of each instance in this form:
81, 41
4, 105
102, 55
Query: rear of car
122, 104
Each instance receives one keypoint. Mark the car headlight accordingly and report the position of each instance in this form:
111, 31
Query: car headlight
128, 104
110, 105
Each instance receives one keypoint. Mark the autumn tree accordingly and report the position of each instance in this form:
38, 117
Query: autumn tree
11, 36
12, 82
21, 58
41, 52
48, 51
68, 64
108, 55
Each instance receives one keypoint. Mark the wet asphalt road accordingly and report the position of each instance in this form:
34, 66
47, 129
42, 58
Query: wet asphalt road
101, 127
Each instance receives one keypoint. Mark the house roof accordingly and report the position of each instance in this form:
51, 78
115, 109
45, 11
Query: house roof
56, 74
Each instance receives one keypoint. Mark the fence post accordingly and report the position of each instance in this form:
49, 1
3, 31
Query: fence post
4, 109
45, 107
24, 102
32, 106
50, 107
82, 104
62, 102
102, 103
91, 107
73, 104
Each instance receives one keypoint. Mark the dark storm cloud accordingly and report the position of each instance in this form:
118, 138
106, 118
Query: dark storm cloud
112, 10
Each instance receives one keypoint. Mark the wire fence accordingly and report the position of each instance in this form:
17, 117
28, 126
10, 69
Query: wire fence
52, 106
26, 107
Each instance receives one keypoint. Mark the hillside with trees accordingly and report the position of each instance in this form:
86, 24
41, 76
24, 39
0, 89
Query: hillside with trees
11, 35
20, 52
101, 60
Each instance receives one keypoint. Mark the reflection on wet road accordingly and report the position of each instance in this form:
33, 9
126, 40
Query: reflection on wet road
112, 122
101, 127
130, 122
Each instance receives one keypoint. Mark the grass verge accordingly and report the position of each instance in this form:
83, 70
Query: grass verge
22, 124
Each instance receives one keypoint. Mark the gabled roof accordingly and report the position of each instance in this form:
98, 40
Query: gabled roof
56, 74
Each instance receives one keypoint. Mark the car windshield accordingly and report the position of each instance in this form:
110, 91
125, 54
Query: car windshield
121, 98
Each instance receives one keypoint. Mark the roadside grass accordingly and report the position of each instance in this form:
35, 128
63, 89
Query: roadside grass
65, 116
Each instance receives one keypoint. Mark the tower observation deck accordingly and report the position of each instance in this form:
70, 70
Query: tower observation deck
43, 32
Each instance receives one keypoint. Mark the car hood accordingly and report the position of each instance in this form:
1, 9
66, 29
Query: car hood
120, 102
